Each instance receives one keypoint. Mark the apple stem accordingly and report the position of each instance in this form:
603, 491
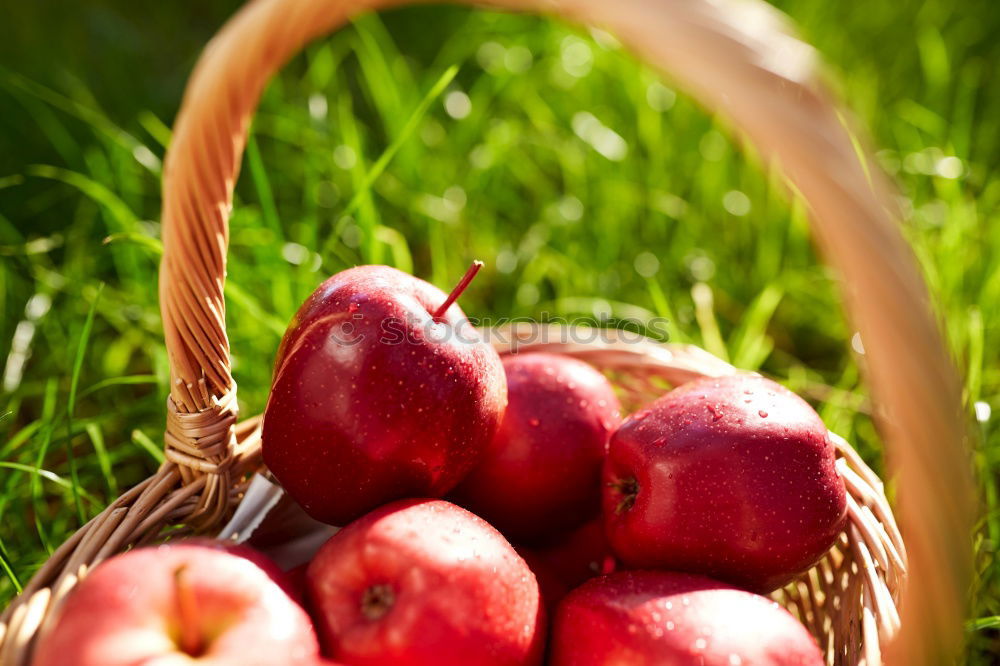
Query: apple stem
459, 288
190, 640
628, 489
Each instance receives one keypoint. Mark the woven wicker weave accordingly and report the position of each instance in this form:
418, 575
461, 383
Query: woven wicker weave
739, 59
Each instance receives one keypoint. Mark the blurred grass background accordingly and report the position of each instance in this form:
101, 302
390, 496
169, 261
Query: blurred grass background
589, 186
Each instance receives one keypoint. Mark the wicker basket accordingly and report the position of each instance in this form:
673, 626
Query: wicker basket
739, 59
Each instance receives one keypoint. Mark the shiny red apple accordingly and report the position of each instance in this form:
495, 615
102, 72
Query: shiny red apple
658, 618
425, 583
541, 473
382, 389
734, 478
178, 604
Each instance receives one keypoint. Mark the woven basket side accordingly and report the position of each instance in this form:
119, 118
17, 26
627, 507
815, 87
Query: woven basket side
736, 57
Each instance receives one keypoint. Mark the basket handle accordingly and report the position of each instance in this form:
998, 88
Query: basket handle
737, 58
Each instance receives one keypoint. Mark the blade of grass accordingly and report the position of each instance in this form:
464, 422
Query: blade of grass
408, 128
20, 84
662, 307
154, 245
98, 192
241, 297
155, 127
258, 174
391, 88
281, 289
19, 438
74, 383
147, 445
983, 623
402, 258
367, 213
128, 380
48, 412
9, 569
974, 371
48, 475
11, 181
704, 313
103, 460
749, 341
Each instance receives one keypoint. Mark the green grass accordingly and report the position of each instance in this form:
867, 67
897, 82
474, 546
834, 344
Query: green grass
427, 137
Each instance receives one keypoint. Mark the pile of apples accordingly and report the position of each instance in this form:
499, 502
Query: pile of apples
567, 535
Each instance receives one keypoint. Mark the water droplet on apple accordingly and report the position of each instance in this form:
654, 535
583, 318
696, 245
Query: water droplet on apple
762, 413
533, 422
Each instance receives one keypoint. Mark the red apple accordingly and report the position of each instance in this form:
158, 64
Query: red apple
655, 618
541, 473
572, 558
734, 478
382, 390
425, 582
175, 603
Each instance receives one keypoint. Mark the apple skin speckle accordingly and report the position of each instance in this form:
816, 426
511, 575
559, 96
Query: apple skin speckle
746, 491
374, 399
